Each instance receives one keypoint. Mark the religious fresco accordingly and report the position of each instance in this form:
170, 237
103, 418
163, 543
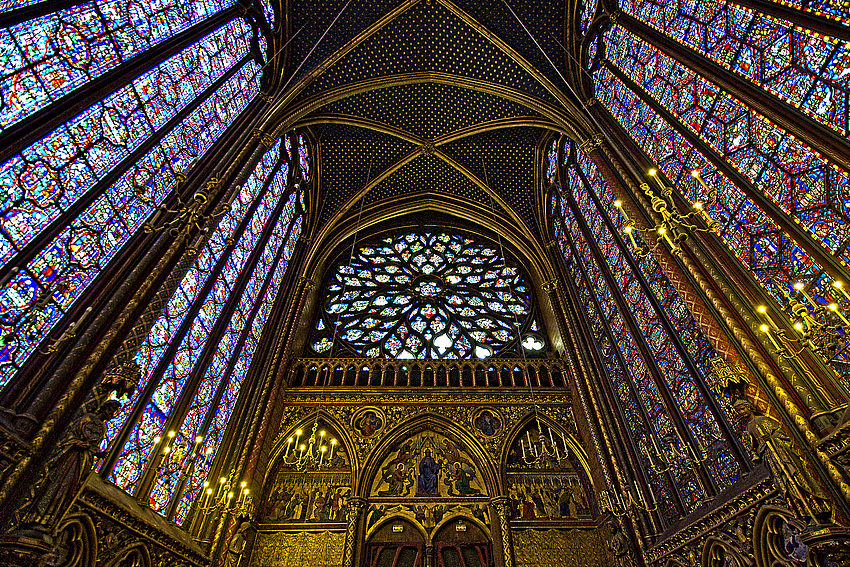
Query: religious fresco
428, 465
488, 422
543, 478
368, 421
314, 496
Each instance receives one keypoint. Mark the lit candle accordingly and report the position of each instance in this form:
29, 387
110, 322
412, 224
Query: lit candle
840, 287
654, 174
763, 310
289, 443
619, 205
333, 446
551, 438
522, 444
695, 174
528, 434
802, 289
834, 308
766, 330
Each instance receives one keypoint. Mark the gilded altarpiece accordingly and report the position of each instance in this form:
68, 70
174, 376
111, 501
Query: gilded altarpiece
428, 460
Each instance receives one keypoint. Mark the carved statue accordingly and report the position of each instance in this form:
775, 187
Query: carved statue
67, 470
236, 547
772, 445
620, 546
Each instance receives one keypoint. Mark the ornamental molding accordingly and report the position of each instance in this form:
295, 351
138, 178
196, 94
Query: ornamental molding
709, 525
130, 525
397, 409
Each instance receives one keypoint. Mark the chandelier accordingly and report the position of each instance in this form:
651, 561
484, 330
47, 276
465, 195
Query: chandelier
540, 454
314, 453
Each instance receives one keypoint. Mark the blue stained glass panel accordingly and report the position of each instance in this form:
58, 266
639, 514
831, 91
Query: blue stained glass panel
128, 466
45, 179
68, 265
50, 56
228, 401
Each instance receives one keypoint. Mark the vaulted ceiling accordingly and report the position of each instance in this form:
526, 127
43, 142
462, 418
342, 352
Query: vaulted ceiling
427, 96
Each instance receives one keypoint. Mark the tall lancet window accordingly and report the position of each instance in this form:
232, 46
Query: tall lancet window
197, 354
754, 107
102, 106
656, 356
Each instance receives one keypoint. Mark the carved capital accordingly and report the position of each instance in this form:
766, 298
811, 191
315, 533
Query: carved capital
306, 283
550, 286
265, 138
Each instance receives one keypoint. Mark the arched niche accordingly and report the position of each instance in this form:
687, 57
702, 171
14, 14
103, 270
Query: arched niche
313, 497
546, 474
428, 470
462, 542
396, 542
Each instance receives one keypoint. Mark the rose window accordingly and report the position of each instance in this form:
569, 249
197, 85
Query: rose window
427, 295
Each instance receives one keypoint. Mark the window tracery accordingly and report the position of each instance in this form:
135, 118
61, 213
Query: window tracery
426, 295
197, 354
684, 123
88, 186
590, 191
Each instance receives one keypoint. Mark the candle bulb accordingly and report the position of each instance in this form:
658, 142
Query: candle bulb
840, 287
802, 289
333, 446
289, 443
766, 330
522, 444
834, 308
654, 174
551, 438
619, 205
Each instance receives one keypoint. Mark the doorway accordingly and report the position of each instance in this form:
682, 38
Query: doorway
461, 543
397, 543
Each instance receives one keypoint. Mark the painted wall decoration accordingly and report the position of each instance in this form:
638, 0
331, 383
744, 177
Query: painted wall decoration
310, 497
488, 422
368, 421
428, 465
555, 488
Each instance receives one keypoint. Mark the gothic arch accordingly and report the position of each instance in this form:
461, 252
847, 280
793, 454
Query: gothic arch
134, 555
437, 424
305, 423
572, 442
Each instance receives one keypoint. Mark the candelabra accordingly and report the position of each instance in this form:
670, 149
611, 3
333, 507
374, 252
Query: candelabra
174, 451
669, 451
539, 454
822, 327
187, 215
620, 504
673, 222
223, 500
315, 453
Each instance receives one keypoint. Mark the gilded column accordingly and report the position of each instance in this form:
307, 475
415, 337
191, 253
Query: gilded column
354, 514
502, 506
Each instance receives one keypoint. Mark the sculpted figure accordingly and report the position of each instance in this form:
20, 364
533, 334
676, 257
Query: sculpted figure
620, 546
237, 545
68, 469
772, 445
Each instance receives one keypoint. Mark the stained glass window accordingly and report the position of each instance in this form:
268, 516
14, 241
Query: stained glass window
679, 118
50, 56
170, 116
585, 182
194, 366
588, 10
68, 264
425, 295
786, 169
802, 67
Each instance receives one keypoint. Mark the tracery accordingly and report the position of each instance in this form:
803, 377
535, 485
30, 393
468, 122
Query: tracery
427, 295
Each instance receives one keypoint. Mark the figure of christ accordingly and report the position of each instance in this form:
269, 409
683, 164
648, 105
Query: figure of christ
429, 470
